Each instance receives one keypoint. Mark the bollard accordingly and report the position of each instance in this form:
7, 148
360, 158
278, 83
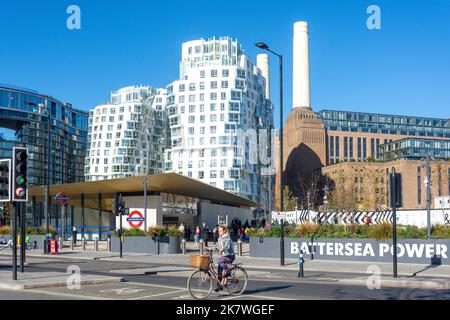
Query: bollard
83, 240
96, 244
239, 248
201, 247
183, 246
108, 243
72, 243
61, 243
301, 262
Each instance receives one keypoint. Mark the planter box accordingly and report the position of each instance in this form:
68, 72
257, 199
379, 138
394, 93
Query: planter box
418, 251
149, 245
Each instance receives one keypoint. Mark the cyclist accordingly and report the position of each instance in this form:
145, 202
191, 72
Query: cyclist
226, 251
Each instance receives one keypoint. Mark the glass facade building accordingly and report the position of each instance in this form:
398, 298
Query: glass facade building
24, 113
385, 124
415, 149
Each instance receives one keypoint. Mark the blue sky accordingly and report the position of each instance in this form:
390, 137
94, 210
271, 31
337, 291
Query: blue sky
404, 68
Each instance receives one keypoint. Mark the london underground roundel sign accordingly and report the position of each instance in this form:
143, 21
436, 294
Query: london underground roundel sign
136, 219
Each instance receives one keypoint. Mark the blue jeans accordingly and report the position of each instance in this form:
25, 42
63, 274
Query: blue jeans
223, 261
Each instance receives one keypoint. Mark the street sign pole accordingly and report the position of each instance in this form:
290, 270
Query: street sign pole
22, 236
121, 227
393, 191
14, 248
282, 243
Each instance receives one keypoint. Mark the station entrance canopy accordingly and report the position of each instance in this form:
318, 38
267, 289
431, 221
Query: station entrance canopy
170, 183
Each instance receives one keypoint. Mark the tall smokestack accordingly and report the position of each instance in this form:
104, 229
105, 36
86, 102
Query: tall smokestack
301, 89
262, 62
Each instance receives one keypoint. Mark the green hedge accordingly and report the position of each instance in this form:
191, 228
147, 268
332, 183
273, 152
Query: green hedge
378, 231
153, 231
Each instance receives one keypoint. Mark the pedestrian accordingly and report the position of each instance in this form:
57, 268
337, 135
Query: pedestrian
263, 223
182, 229
189, 233
197, 235
74, 234
216, 234
227, 255
246, 224
241, 234
367, 219
205, 234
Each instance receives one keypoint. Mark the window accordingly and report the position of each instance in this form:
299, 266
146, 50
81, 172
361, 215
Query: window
213, 84
202, 130
224, 84
192, 87
419, 186
192, 109
213, 118
212, 107
202, 73
213, 73
213, 129
181, 88
213, 96
223, 96
191, 131
213, 174
181, 99
225, 73
201, 174
202, 86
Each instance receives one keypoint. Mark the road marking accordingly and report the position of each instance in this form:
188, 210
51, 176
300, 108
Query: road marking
157, 286
157, 295
61, 294
122, 291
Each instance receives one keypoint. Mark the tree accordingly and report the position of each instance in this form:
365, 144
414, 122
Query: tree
289, 200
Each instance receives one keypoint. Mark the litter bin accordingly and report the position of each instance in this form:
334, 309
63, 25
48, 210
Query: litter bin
46, 246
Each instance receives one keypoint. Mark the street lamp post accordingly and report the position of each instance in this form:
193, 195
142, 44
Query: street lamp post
264, 46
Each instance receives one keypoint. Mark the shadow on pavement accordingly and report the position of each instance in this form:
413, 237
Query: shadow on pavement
268, 289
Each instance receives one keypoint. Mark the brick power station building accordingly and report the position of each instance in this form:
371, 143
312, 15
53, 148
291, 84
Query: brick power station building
352, 153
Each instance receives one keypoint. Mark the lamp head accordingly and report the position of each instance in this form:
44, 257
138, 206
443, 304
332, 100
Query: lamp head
262, 45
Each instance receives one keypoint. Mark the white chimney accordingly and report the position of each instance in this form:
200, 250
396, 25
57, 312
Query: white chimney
301, 85
262, 62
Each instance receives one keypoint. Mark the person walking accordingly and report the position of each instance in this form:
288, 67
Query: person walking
227, 254
74, 234
181, 229
197, 235
205, 235
216, 234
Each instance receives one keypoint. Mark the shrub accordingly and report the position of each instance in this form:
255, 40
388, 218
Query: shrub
380, 231
174, 232
440, 232
157, 231
5, 230
307, 230
412, 232
135, 233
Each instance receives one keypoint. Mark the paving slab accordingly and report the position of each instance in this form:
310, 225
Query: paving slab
37, 280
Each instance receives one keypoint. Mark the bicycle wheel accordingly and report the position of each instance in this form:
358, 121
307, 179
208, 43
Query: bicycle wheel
29, 245
200, 284
237, 281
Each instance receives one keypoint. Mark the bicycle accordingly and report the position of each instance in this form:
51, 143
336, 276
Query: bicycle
200, 283
6, 244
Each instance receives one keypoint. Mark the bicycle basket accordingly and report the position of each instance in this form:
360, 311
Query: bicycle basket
200, 262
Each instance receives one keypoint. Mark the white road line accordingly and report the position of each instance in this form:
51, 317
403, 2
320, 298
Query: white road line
157, 295
61, 294
157, 286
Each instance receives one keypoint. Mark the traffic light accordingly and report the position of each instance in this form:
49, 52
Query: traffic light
19, 181
119, 204
5, 178
395, 190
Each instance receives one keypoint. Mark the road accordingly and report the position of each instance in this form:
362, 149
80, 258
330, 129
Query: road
263, 285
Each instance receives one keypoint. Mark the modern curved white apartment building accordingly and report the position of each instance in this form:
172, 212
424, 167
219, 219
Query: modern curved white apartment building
126, 135
212, 109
